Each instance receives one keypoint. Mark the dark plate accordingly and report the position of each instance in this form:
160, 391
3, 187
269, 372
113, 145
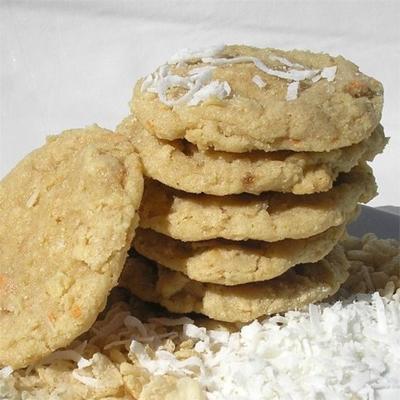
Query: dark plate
385, 225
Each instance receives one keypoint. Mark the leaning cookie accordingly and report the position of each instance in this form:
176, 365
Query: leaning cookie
68, 212
182, 166
241, 98
295, 289
269, 217
232, 263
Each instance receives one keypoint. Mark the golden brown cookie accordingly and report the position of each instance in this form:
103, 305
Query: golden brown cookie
240, 98
181, 165
296, 288
269, 217
232, 263
68, 212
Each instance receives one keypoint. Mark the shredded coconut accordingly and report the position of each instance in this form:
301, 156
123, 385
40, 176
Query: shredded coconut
163, 361
346, 349
291, 74
111, 326
316, 78
133, 322
33, 198
216, 89
285, 61
6, 372
329, 73
86, 380
195, 54
199, 86
84, 363
292, 91
258, 81
193, 332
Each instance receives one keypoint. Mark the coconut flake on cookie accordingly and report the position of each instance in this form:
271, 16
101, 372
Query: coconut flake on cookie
198, 83
200, 87
329, 73
292, 91
217, 89
259, 81
285, 61
187, 54
202, 73
290, 74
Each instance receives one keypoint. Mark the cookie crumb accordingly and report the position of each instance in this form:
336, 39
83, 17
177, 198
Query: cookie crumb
33, 199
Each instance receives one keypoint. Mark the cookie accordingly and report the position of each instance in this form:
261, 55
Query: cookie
68, 212
182, 166
269, 217
295, 289
241, 98
232, 263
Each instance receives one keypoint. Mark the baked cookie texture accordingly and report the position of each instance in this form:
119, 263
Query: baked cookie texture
68, 212
268, 217
232, 263
372, 262
296, 288
240, 98
181, 165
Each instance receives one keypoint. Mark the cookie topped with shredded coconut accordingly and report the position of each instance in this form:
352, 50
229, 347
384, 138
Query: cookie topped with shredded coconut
238, 98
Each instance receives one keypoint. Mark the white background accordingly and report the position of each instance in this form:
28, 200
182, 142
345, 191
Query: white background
72, 63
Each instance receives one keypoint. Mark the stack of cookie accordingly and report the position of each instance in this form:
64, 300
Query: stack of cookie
255, 163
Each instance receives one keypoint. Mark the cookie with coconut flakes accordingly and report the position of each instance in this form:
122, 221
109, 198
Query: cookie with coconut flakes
181, 165
269, 217
234, 262
302, 285
68, 212
241, 98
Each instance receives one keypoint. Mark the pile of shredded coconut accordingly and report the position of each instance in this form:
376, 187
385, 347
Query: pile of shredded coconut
348, 348
199, 86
